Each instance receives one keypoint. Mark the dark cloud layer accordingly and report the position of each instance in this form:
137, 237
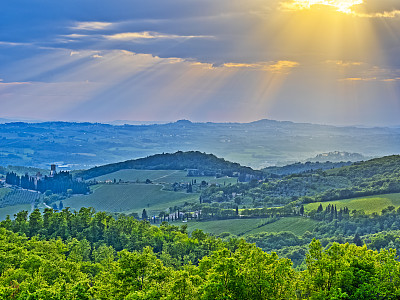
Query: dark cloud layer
51, 24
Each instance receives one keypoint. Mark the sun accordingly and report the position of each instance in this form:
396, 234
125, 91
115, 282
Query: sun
340, 5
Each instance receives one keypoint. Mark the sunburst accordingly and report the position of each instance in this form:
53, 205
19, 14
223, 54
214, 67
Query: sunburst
340, 5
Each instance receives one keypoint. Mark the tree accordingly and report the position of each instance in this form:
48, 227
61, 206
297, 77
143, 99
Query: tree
349, 272
139, 272
144, 215
357, 239
21, 222
35, 222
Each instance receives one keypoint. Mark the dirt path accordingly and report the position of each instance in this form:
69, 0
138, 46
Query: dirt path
166, 175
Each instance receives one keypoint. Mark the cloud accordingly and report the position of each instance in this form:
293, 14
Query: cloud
75, 35
91, 25
359, 79
242, 65
150, 35
397, 79
341, 63
360, 8
280, 66
377, 8
391, 79
3, 43
374, 73
338, 5
205, 66
2, 83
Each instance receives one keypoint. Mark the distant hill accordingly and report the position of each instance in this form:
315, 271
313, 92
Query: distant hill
257, 144
298, 168
205, 164
338, 156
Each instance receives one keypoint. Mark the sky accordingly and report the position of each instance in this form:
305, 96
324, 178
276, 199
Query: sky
317, 61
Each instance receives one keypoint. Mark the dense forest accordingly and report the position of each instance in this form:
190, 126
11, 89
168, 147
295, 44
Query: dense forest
88, 255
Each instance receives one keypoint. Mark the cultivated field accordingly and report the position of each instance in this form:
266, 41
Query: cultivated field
129, 198
161, 176
369, 204
4, 192
250, 226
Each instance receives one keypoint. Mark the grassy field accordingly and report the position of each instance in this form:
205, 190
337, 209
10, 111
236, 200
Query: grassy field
129, 198
11, 210
161, 176
369, 204
250, 226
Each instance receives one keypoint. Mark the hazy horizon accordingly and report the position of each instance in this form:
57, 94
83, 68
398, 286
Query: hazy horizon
4, 120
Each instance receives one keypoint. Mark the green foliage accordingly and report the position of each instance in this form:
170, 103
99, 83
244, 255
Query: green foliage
70, 267
350, 272
348, 223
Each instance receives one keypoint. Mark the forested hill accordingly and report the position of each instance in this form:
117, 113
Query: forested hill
203, 162
373, 177
385, 166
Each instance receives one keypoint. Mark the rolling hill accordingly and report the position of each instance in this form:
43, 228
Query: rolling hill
373, 177
206, 164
